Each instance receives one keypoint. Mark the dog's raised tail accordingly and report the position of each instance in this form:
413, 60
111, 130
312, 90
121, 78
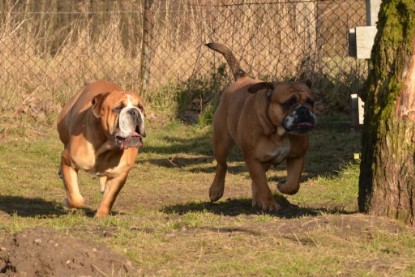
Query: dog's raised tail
237, 71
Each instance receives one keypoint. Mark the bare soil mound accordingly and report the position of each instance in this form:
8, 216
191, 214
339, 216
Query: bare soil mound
46, 252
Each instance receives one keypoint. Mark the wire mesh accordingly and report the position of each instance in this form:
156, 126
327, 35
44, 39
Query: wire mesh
54, 46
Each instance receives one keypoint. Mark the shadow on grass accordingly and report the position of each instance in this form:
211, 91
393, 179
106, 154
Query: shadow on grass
197, 165
332, 144
32, 207
181, 153
200, 144
235, 207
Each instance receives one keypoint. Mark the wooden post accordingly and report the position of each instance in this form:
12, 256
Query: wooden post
365, 36
361, 41
146, 46
357, 108
372, 11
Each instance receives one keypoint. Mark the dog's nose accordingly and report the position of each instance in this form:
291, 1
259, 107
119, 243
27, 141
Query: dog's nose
135, 115
133, 112
138, 120
303, 110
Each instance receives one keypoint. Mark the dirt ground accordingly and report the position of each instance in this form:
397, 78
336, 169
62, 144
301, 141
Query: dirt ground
46, 252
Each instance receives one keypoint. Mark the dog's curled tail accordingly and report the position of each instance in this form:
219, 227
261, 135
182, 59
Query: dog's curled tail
230, 59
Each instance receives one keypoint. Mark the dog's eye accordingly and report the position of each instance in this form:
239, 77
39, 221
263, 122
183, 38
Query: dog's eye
117, 109
289, 103
310, 102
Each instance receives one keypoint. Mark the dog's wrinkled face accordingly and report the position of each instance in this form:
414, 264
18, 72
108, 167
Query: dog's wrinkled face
298, 106
122, 117
290, 105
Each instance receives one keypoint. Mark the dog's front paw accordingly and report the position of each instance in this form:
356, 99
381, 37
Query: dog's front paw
101, 212
286, 188
266, 203
215, 193
74, 203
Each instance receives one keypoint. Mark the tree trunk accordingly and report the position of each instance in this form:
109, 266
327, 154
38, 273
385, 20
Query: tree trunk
146, 49
387, 171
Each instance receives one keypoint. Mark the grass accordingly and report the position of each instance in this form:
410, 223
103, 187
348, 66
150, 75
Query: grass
162, 218
164, 223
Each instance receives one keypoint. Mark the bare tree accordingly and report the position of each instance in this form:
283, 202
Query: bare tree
387, 170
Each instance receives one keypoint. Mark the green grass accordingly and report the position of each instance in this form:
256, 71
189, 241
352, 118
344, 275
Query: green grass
164, 223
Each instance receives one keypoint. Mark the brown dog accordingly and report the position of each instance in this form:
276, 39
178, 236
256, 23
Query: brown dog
101, 128
269, 122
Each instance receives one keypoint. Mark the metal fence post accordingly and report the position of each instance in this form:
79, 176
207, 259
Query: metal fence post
146, 47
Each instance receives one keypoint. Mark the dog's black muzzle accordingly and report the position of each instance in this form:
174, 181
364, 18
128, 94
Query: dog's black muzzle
300, 121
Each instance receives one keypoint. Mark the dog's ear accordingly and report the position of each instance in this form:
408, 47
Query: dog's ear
97, 103
259, 86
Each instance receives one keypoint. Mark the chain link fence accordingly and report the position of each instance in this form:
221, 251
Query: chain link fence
49, 48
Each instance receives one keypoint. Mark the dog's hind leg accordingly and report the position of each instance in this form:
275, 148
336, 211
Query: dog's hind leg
60, 171
223, 144
73, 198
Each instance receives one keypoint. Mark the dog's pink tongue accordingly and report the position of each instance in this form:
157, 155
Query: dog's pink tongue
305, 124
